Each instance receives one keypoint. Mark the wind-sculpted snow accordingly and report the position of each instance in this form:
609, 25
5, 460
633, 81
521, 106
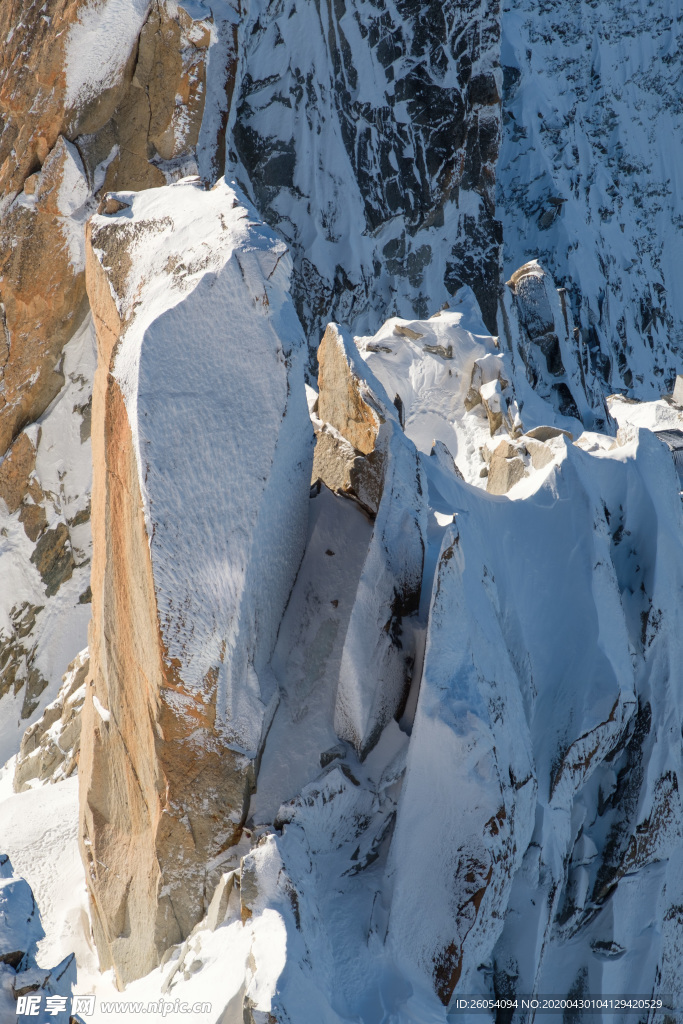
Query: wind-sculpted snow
367, 135
588, 172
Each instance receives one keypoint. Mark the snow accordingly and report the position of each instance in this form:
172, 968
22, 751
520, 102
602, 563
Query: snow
218, 454
520, 829
307, 657
99, 45
536, 667
40, 836
432, 387
74, 204
101, 711
64, 471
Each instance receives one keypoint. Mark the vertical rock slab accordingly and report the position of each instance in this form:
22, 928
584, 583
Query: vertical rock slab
201, 438
539, 327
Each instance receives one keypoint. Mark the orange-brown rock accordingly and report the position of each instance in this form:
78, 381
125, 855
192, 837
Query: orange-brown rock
345, 401
165, 772
149, 110
159, 117
15, 470
32, 86
349, 456
42, 287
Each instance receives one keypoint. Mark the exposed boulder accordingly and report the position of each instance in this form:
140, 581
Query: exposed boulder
492, 400
547, 433
678, 391
49, 749
490, 388
506, 468
443, 457
541, 454
200, 438
343, 469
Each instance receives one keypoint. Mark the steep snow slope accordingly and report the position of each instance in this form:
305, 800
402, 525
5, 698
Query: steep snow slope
589, 177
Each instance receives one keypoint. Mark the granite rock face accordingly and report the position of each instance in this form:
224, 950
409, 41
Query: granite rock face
49, 749
183, 625
350, 450
93, 97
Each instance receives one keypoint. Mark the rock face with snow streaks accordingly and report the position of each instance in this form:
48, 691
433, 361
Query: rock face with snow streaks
586, 178
368, 136
49, 749
191, 566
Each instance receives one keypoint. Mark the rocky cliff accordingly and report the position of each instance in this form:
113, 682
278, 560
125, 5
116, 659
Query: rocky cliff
312, 319
192, 569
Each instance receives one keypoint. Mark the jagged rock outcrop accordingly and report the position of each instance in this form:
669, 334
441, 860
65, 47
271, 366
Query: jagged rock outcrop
506, 468
396, 151
49, 749
350, 449
538, 326
185, 420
